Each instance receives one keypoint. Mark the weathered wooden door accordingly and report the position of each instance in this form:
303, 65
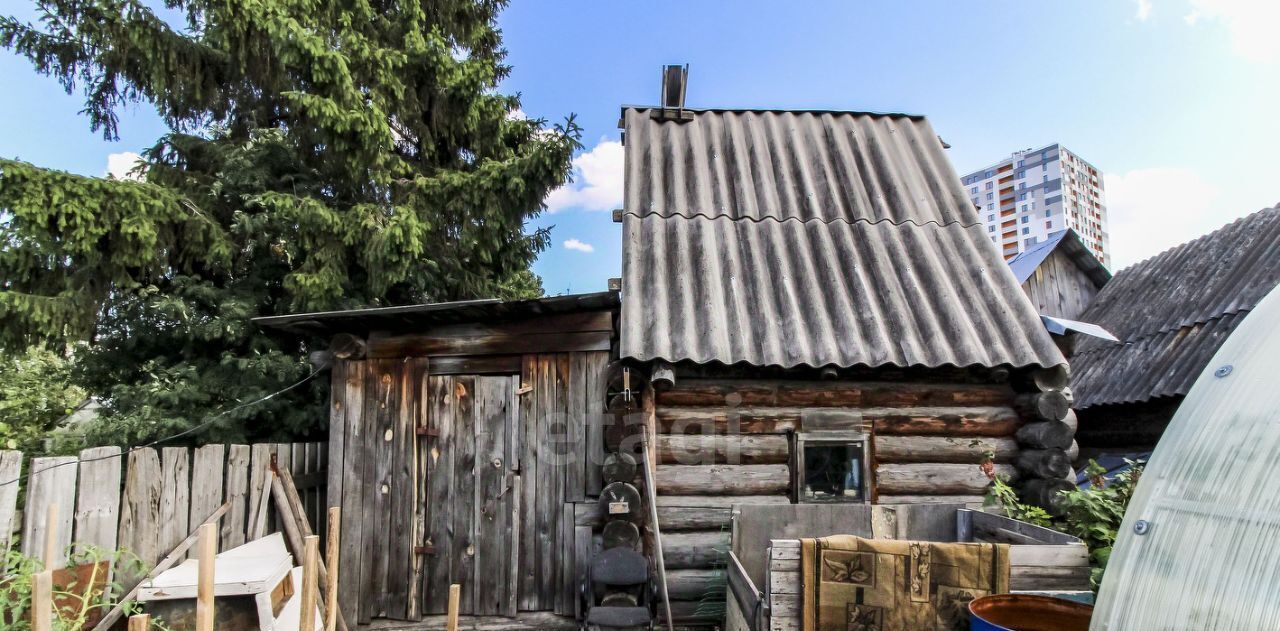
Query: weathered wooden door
471, 493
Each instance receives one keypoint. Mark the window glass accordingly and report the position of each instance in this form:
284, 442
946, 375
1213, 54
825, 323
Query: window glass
833, 472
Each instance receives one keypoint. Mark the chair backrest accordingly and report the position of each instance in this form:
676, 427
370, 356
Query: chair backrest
619, 567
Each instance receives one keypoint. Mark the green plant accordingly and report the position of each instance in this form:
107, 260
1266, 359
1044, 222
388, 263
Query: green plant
1093, 513
79, 592
35, 395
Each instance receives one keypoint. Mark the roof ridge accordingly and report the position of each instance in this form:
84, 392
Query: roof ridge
836, 220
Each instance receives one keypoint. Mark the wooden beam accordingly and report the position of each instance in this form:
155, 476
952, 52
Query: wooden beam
763, 479
42, 601
867, 394
140, 622
694, 449
50, 554
971, 450
332, 559
936, 479
310, 572
455, 598
206, 552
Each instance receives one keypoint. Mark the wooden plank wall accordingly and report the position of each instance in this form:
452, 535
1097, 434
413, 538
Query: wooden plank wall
724, 441
391, 480
373, 459
143, 502
1058, 288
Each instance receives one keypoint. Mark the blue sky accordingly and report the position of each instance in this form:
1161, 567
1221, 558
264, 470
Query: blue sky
1173, 100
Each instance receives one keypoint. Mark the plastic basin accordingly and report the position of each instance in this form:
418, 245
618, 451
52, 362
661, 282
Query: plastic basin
1024, 612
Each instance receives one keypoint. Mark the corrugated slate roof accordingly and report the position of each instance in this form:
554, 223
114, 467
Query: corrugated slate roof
1172, 312
754, 164
811, 239
1025, 263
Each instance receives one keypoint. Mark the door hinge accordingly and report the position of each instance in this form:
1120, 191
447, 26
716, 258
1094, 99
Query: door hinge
424, 550
428, 431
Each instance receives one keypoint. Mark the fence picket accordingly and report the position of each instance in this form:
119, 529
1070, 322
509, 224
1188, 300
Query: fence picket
233, 524
10, 472
259, 461
207, 464
175, 497
98, 501
140, 513
51, 481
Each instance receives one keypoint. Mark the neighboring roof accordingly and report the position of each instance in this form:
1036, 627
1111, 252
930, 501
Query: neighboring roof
1069, 242
811, 239
401, 317
1172, 312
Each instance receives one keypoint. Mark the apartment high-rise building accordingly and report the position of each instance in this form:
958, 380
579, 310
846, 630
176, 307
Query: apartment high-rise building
1036, 192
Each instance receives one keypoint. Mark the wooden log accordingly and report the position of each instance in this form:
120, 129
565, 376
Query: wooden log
619, 467
695, 584
140, 622
1073, 451
694, 449
1043, 463
757, 479
42, 601
1045, 435
333, 551
310, 577
1045, 493
347, 346
621, 500
1043, 406
663, 376
943, 449
699, 421
935, 479
1072, 421
713, 392
695, 550
944, 421
619, 533
206, 551
976, 500
1051, 379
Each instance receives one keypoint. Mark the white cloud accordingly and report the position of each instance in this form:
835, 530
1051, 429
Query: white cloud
581, 246
1152, 210
120, 165
597, 180
1144, 9
1253, 25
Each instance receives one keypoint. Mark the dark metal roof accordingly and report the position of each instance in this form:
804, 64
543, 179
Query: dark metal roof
1025, 263
811, 239
410, 316
1172, 312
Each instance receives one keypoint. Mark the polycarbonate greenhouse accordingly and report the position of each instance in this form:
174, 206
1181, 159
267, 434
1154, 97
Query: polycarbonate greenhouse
1200, 543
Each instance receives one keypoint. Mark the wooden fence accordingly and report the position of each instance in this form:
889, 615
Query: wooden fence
146, 501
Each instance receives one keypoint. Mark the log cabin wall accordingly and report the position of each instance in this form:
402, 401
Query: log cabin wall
727, 441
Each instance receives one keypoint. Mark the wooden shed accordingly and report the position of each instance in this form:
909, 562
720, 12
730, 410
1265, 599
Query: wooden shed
460, 446
823, 320
1061, 275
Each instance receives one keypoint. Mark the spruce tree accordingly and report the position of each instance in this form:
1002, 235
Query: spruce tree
322, 155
